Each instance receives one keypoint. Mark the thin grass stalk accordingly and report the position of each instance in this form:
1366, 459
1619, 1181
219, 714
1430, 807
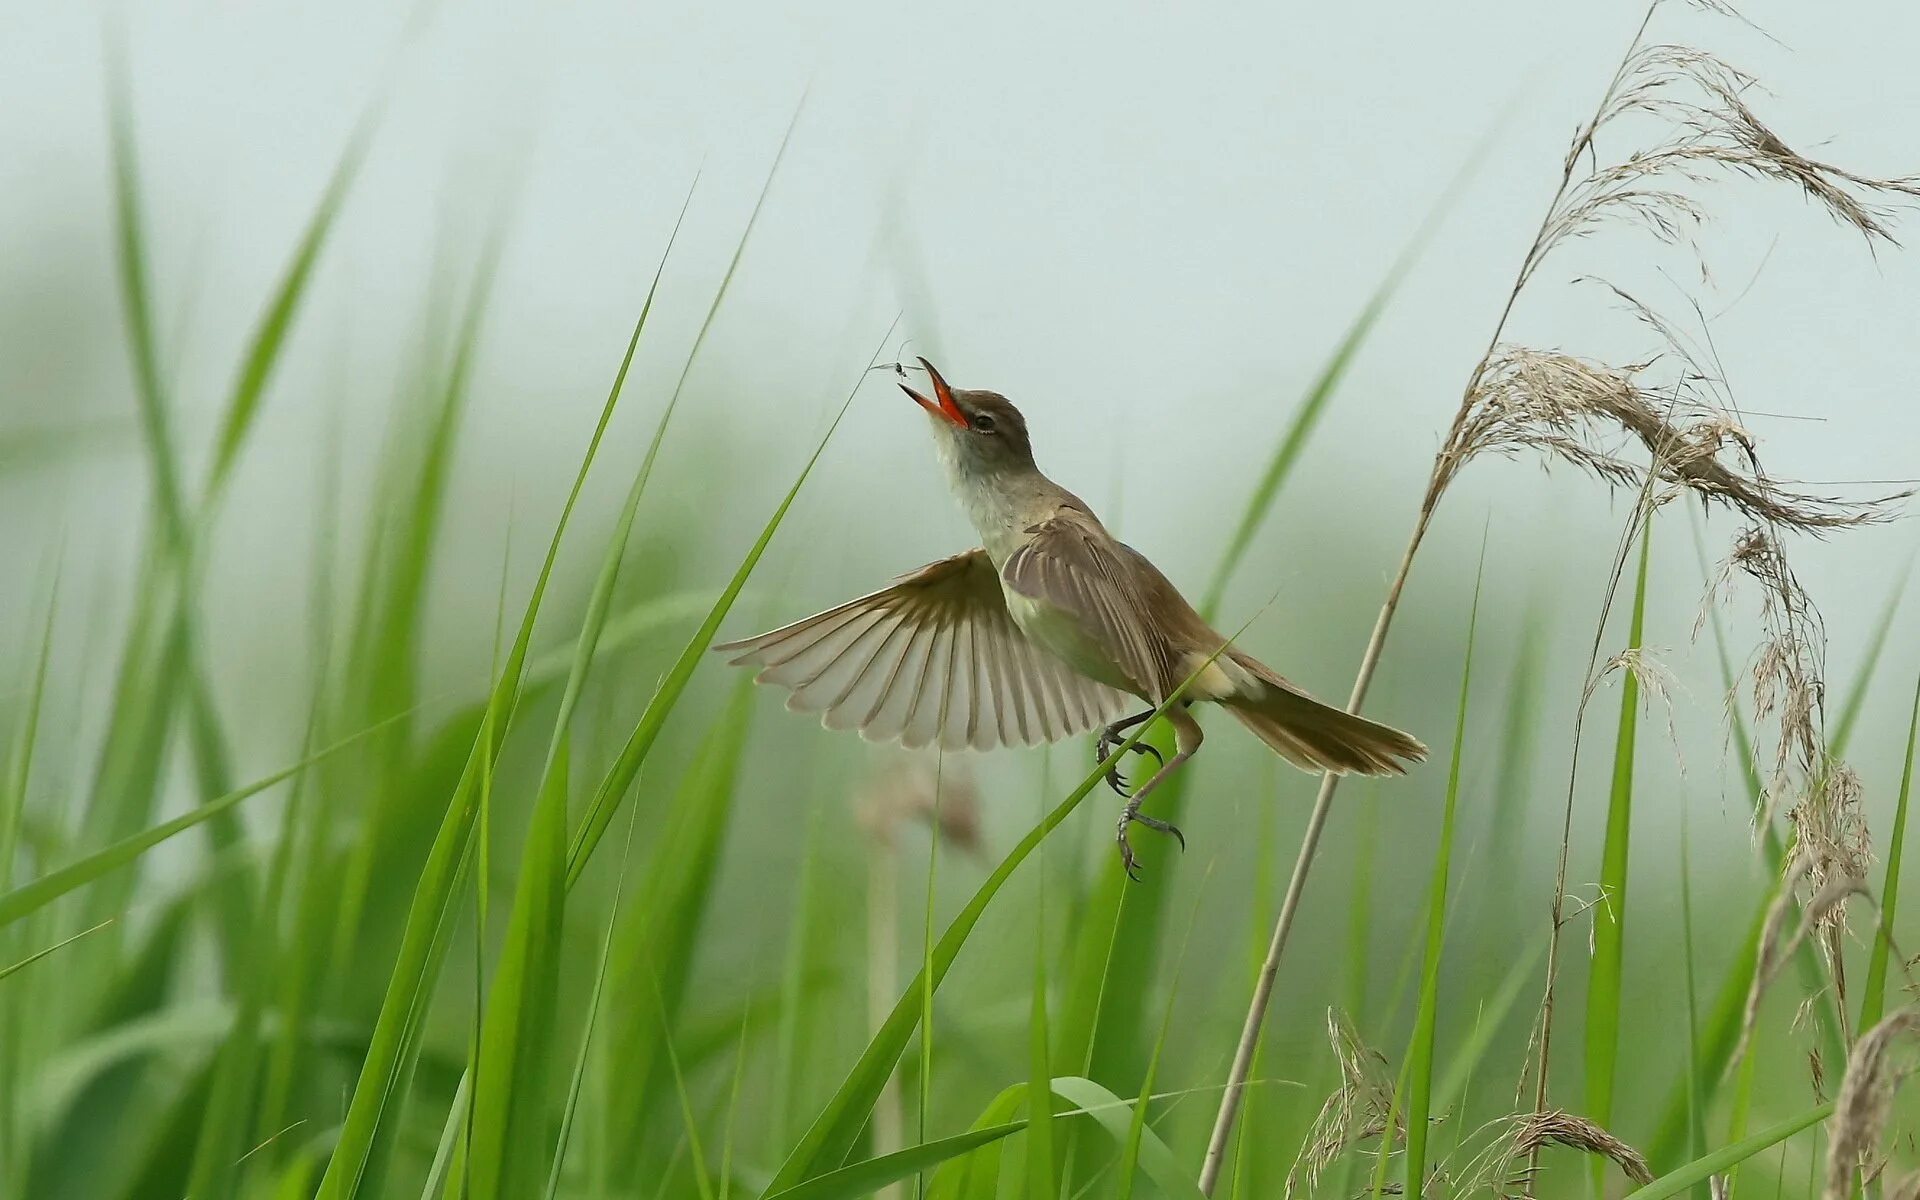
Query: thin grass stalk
16, 1141
1640, 524
1873, 1003
1610, 918
833, 1133
883, 986
1042, 1178
924, 1101
1126, 982
1444, 466
1419, 1064
1696, 1107
787, 1030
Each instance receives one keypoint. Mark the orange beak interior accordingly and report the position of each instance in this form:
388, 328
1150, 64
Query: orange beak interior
943, 405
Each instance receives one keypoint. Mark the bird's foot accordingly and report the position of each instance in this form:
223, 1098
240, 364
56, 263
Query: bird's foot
1130, 816
1109, 742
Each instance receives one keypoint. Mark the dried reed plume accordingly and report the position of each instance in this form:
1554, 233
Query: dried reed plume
1588, 414
1819, 793
1498, 1168
1687, 113
1865, 1100
1358, 1109
1777, 947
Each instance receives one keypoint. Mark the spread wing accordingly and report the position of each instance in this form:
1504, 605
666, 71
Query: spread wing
935, 657
1072, 564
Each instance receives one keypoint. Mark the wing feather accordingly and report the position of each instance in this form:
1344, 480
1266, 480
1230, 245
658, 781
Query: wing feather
936, 658
1071, 564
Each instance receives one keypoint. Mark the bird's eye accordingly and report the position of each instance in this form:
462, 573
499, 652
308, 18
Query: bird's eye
983, 423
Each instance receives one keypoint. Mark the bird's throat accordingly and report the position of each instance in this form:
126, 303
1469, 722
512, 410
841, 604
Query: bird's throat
1002, 506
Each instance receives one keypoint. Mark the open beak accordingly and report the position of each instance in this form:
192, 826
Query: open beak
945, 406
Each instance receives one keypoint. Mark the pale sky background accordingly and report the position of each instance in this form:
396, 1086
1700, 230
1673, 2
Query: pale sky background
1147, 226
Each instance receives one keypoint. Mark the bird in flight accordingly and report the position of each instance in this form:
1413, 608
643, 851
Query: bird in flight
1052, 627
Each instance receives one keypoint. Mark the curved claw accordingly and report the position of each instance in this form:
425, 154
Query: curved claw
1115, 780
1154, 823
1127, 858
1127, 861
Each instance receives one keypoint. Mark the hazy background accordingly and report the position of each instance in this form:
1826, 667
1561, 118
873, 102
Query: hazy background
1148, 229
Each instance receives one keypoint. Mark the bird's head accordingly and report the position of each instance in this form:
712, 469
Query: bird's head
980, 433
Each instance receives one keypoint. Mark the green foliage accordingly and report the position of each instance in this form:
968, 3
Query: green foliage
1420, 1053
1610, 915
390, 966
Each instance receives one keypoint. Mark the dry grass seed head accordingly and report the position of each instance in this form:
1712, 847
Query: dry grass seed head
1500, 1168
1709, 131
1576, 410
1358, 1108
1860, 1111
1776, 946
1655, 680
1820, 794
1577, 1133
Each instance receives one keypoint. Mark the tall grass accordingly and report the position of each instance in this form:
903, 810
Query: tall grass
404, 962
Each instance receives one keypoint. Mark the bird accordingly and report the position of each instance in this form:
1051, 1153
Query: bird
1049, 629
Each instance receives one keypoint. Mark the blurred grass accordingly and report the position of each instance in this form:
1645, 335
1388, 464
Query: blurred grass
393, 969
1610, 913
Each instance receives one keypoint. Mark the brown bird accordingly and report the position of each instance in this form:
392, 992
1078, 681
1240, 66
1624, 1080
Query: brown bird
1046, 631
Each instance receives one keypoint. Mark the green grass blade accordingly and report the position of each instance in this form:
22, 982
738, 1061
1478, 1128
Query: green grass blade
17, 774
626, 768
17, 1004
33, 896
1113, 990
1306, 415
136, 296
733, 1113
1610, 916
215, 1173
1856, 700
826, 1143
1498, 1007
925, 1081
977, 1176
382, 663
1720, 1161
1132, 1148
508, 1130
388, 1065
1519, 743
1873, 1001
1117, 1117
688, 1123
16, 967
656, 941
1696, 1109
507, 1137
1419, 1062
1042, 1179
1722, 1027
802, 935
590, 1023
276, 323
865, 1178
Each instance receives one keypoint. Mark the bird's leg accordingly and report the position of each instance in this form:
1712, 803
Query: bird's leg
1111, 737
1188, 737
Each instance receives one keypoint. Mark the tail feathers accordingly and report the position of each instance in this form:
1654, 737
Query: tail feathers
1319, 737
